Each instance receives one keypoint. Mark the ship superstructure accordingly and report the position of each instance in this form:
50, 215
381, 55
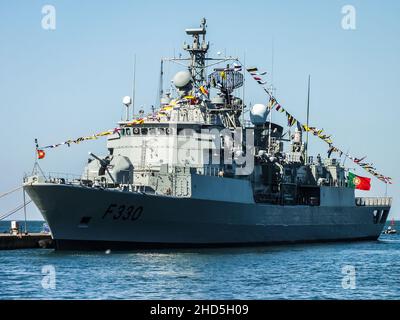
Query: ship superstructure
193, 173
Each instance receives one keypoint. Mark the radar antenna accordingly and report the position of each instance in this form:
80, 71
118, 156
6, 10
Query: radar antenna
198, 52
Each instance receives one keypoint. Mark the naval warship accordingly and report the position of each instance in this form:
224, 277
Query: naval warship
195, 173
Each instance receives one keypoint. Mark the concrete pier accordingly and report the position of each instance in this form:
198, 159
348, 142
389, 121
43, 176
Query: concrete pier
22, 241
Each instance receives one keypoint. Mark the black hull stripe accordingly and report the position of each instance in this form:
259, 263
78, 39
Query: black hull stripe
84, 245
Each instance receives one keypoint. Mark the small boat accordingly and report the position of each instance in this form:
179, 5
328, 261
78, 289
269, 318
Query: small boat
390, 229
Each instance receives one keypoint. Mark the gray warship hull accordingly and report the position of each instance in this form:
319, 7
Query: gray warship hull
84, 218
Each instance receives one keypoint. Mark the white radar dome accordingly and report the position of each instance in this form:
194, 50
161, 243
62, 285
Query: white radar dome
182, 79
126, 100
259, 114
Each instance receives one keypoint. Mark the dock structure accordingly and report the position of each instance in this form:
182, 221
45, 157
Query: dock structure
18, 237
25, 241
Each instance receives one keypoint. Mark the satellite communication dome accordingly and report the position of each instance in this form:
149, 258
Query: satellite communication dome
126, 100
182, 79
258, 114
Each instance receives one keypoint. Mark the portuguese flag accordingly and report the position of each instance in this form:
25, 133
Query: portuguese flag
357, 182
40, 154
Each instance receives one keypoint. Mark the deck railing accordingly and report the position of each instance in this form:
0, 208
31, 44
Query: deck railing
56, 177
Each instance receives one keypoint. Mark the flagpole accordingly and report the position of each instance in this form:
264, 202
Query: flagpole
345, 157
308, 117
269, 131
161, 89
244, 88
386, 187
272, 63
134, 85
36, 157
272, 93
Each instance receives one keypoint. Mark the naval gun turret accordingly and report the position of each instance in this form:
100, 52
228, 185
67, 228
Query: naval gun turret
111, 170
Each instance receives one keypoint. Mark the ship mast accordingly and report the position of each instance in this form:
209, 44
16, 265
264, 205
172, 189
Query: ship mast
198, 51
308, 118
134, 85
272, 90
161, 83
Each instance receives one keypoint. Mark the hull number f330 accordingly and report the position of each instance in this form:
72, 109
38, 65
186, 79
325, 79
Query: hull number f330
123, 212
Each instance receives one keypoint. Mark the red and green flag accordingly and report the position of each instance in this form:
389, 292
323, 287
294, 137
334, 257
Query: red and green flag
358, 182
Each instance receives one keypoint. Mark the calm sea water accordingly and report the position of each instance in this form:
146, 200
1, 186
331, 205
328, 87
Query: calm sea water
281, 272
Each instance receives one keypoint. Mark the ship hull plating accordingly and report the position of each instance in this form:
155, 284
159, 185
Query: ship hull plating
87, 218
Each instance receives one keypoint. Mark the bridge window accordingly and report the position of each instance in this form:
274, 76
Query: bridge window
153, 131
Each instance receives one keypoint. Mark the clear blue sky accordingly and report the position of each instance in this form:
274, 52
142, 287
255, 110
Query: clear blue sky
61, 84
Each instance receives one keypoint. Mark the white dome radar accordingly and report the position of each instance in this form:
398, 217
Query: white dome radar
127, 100
259, 114
182, 79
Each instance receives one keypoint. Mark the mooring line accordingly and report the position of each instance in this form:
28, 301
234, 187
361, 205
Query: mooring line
2, 217
11, 191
